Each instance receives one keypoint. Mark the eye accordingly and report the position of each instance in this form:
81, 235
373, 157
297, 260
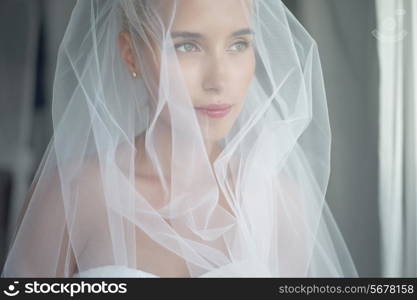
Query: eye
241, 46
185, 47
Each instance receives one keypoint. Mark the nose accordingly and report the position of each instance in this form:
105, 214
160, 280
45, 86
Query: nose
214, 79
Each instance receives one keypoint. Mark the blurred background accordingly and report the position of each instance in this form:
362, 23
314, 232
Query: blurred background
368, 52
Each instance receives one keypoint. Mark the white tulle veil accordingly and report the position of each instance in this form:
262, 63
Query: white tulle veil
137, 174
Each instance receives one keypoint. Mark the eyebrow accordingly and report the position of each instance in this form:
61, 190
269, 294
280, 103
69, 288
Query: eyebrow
195, 35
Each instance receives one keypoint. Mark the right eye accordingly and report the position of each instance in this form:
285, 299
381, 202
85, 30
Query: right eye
185, 47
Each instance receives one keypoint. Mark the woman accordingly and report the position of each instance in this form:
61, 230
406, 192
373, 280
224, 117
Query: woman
191, 139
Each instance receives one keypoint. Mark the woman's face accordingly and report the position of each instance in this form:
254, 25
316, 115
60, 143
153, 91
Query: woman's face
212, 41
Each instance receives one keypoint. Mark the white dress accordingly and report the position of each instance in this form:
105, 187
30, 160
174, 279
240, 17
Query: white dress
111, 271
237, 269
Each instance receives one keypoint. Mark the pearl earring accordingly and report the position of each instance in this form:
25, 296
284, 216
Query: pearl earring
134, 74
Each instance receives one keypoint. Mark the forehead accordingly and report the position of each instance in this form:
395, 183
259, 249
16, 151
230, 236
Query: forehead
211, 16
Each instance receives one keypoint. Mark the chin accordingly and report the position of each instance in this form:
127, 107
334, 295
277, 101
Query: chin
213, 130
216, 134
214, 138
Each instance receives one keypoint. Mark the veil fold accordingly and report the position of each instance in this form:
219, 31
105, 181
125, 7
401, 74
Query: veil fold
137, 174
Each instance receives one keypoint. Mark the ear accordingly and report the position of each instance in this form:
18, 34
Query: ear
126, 52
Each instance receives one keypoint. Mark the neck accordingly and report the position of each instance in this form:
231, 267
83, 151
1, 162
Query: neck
162, 141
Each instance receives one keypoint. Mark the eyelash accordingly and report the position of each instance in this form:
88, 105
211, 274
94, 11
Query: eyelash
246, 44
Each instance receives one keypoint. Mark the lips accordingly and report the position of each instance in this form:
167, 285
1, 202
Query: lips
215, 107
215, 110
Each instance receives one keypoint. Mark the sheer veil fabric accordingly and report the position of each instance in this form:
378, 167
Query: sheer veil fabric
189, 137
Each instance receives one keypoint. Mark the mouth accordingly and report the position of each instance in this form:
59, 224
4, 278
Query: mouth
215, 110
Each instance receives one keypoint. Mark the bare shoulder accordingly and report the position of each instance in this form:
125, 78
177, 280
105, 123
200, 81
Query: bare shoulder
286, 183
290, 189
89, 196
90, 178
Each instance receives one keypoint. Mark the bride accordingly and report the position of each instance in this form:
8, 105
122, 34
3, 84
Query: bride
191, 139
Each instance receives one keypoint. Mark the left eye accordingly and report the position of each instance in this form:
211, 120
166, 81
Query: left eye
241, 45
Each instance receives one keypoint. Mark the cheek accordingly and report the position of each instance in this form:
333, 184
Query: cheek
191, 73
243, 73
